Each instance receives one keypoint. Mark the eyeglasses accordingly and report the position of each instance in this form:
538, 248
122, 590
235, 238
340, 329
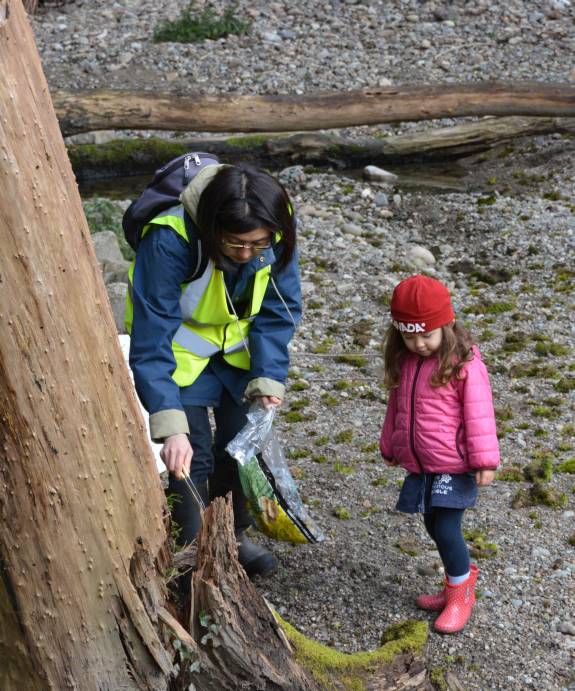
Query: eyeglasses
253, 246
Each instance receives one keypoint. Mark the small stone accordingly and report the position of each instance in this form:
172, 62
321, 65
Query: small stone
378, 174
351, 229
567, 628
381, 199
420, 257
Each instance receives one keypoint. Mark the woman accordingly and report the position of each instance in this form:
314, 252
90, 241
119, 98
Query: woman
219, 340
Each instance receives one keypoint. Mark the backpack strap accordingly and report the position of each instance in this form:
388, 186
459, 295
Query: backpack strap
199, 259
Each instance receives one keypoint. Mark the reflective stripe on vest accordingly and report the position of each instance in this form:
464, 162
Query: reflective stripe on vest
208, 326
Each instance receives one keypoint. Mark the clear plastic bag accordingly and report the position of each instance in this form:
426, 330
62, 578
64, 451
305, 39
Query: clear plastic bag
270, 489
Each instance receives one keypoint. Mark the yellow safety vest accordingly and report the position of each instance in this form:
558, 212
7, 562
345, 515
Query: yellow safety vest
208, 327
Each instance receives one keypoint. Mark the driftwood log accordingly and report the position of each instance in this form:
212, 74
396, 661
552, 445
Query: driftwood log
84, 111
123, 157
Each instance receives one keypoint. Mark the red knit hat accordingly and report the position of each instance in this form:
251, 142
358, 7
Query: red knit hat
420, 304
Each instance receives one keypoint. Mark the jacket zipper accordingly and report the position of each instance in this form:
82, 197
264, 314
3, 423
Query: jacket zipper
412, 421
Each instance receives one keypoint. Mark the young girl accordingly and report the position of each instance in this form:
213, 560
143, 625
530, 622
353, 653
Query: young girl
440, 427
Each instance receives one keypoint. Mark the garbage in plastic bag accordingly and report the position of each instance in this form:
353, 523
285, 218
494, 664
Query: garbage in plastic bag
270, 489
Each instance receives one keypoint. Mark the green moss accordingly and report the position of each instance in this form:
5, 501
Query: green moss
330, 400
541, 433
321, 441
540, 470
437, 678
503, 413
123, 156
369, 448
487, 201
510, 474
332, 669
297, 453
342, 385
490, 307
299, 405
353, 360
539, 495
321, 458
247, 141
564, 446
571, 540
515, 342
380, 482
534, 370
299, 386
292, 416
565, 385
191, 27
342, 513
344, 437
323, 347
314, 304
542, 411
343, 469
567, 467
479, 548
568, 430
545, 348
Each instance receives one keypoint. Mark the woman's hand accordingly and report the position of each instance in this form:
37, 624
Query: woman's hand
269, 401
484, 477
390, 461
176, 453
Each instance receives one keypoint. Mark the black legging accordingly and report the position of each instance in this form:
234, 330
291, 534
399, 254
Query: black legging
444, 527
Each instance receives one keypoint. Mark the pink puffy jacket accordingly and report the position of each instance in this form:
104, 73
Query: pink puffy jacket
445, 429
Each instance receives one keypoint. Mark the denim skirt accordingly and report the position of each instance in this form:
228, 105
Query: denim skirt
422, 492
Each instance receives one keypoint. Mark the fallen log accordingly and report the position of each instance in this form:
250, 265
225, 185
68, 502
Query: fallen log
84, 111
122, 157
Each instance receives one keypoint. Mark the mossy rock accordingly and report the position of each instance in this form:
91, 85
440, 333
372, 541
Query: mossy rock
336, 670
539, 495
567, 467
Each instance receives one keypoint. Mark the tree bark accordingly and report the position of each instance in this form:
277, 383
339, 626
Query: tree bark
236, 619
82, 530
82, 111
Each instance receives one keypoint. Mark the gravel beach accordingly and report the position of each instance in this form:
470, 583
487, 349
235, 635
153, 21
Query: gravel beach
498, 228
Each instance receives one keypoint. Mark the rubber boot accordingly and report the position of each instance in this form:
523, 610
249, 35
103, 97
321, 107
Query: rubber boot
255, 559
436, 602
459, 604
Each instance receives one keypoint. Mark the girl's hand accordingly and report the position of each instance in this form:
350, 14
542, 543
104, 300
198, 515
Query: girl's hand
269, 401
390, 461
176, 453
484, 477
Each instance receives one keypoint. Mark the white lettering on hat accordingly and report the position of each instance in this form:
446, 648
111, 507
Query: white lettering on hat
406, 327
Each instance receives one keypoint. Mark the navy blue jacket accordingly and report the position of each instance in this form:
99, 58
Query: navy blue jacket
164, 261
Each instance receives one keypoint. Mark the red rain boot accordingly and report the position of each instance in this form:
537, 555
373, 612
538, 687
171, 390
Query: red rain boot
459, 603
436, 602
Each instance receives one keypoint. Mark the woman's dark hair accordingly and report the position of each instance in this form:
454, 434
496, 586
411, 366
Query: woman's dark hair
240, 199
455, 350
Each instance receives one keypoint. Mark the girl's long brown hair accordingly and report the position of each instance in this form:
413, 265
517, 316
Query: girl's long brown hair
454, 352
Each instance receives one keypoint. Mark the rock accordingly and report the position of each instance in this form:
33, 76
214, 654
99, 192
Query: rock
420, 257
379, 175
117, 297
107, 247
567, 628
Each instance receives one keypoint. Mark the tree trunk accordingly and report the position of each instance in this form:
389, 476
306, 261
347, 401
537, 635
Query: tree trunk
81, 509
121, 157
83, 111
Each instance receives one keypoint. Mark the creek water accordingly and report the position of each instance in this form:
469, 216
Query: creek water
430, 178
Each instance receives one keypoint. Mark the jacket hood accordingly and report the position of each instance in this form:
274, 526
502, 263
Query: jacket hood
191, 194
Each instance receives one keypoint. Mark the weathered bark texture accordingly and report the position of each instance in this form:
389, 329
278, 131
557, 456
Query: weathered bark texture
81, 510
245, 646
82, 111
123, 157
